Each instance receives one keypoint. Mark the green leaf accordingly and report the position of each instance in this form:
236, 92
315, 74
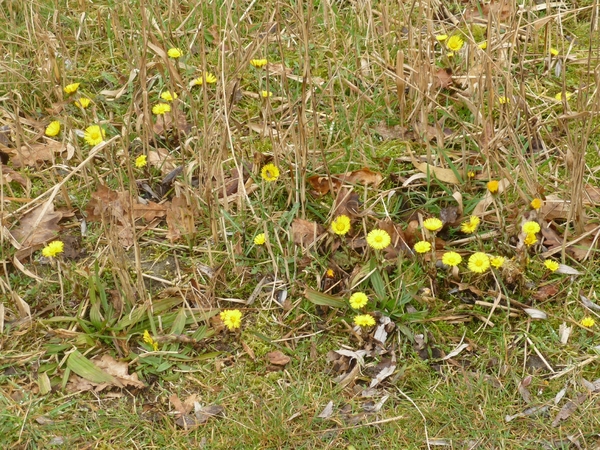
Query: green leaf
88, 370
319, 298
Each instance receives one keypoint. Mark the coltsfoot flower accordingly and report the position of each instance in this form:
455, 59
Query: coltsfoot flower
266, 94
260, 239
551, 265
259, 62
536, 203
364, 320
378, 239
422, 247
82, 103
493, 186
588, 322
94, 135
53, 249
207, 78
451, 259
53, 128
269, 172
530, 239
454, 43
71, 88
141, 161
433, 224
232, 318
341, 225
497, 261
503, 100
174, 52
358, 300
149, 340
479, 262
470, 226
531, 227
168, 96
161, 108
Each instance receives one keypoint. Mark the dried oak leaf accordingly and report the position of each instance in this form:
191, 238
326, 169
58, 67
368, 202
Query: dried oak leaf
9, 175
443, 78
278, 359
35, 154
35, 228
109, 204
305, 232
119, 370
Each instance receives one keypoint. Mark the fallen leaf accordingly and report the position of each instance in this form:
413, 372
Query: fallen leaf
35, 154
547, 291
523, 385
180, 219
488, 199
444, 175
327, 411
443, 78
395, 132
347, 203
201, 416
277, 358
9, 175
321, 185
171, 120
305, 232
108, 204
161, 159
36, 228
119, 370
386, 368
569, 408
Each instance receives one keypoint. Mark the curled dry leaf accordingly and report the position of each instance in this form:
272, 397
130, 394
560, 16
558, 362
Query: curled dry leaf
35, 228
443, 175
161, 159
9, 175
443, 78
35, 154
277, 358
305, 232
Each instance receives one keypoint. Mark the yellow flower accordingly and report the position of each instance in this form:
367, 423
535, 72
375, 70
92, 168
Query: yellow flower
364, 320
266, 94
174, 52
553, 52
470, 226
483, 45
167, 96
531, 227
71, 88
471, 174
530, 239
141, 161
260, 239
536, 203
149, 340
93, 135
358, 300
258, 62
341, 225
53, 248
161, 108
378, 239
207, 77
269, 172
433, 224
330, 273
422, 247
232, 318
53, 128
503, 100
82, 103
479, 262
588, 322
551, 265
441, 37
559, 96
493, 186
451, 259
497, 261
454, 43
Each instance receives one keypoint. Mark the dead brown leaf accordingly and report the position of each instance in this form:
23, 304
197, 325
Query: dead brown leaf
108, 204
321, 185
161, 159
443, 78
305, 232
547, 291
347, 203
394, 132
35, 228
444, 175
277, 358
180, 219
569, 408
37, 153
201, 416
119, 370
172, 120
9, 175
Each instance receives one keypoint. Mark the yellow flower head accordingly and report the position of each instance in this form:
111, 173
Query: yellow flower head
330, 273
269, 172
53, 128
94, 135
207, 78
451, 259
454, 43
441, 37
503, 100
497, 261
259, 62
161, 108
378, 239
531, 227
530, 239
470, 226
82, 103
559, 96
341, 225
141, 161
553, 52
479, 262
53, 248
471, 174
483, 45
71, 88
364, 320
422, 247
358, 300
260, 239
433, 224
493, 186
588, 322
536, 203
266, 94
167, 96
174, 52
232, 318
149, 340
551, 265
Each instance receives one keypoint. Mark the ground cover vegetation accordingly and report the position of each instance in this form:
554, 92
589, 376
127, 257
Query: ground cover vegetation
323, 224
